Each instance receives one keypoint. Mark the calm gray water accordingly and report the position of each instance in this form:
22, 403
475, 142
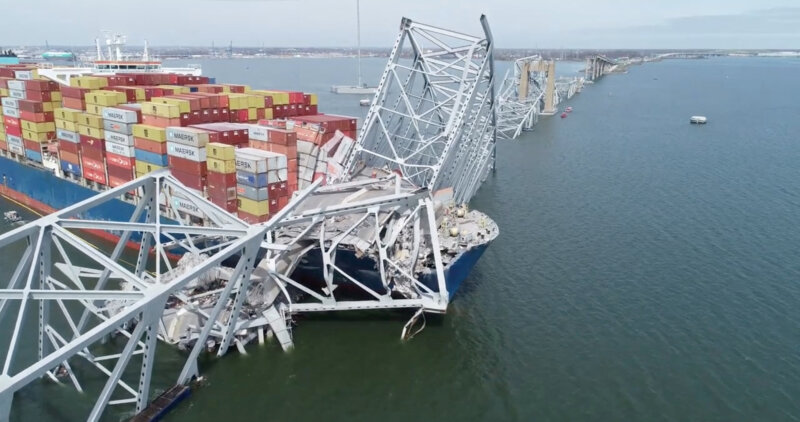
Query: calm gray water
646, 270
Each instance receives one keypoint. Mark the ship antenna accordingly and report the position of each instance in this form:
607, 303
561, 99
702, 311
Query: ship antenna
99, 51
145, 55
358, 38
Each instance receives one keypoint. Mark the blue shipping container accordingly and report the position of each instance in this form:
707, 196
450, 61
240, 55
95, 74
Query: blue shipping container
33, 155
251, 179
151, 157
73, 168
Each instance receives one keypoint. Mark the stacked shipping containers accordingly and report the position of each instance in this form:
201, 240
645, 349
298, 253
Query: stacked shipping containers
35, 100
118, 123
259, 175
221, 165
186, 149
69, 146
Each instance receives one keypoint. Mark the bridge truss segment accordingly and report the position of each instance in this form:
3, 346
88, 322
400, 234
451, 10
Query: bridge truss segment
69, 296
433, 118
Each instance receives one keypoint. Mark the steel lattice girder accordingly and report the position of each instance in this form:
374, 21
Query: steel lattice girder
518, 107
433, 116
95, 294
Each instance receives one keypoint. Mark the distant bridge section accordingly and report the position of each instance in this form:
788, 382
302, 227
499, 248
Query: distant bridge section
599, 65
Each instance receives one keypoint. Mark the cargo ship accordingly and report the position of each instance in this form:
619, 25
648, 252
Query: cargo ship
70, 132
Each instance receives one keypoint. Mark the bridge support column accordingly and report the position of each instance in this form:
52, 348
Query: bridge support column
550, 89
5, 404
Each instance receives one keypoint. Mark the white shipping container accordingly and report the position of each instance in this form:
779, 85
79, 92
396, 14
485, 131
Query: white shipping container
118, 138
257, 161
258, 133
16, 149
67, 135
277, 176
16, 85
344, 149
187, 136
120, 115
123, 128
305, 173
10, 112
14, 140
305, 160
123, 150
24, 75
17, 94
187, 152
309, 148
10, 102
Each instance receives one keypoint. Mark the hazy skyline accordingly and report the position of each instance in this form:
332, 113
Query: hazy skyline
331, 23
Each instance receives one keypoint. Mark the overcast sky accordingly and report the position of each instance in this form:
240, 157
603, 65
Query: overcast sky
331, 23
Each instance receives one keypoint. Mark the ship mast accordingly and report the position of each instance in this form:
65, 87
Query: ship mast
99, 51
358, 38
145, 54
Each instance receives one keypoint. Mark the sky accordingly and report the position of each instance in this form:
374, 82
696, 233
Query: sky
578, 24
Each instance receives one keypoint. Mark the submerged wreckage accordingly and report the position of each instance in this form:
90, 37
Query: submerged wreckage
389, 229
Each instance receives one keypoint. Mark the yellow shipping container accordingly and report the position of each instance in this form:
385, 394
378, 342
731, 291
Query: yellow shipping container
55, 96
313, 99
257, 208
268, 113
255, 101
221, 166
90, 120
278, 98
70, 126
89, 82
183, 105
143, 168
177, 89
237, 101
38, 127
105, 98
67, 114
3, 92
2, 136
152, 133
252, 114
161, 110
221, 151
91, 131
95, 109
37, 136
2, 129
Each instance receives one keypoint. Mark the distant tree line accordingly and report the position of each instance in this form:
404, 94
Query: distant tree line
7, 53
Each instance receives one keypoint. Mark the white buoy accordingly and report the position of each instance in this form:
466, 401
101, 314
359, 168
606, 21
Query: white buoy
699, 120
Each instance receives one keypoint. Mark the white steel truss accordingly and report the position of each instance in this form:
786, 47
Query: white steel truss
432, 118
520, 98
79, 294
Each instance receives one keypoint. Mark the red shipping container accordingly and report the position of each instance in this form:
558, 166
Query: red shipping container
160, 121
10, 121
288, 151
292, 165
184, 165
31, 145
31, 106
73, 103
283, 201
130, 93
73, 92
4, 145
274, 207
193, 181
37, 117
69, 147
114, 182
92, 153
38, 95
229, 206
120, 160
41, 85
14, 130
221, 180
89, 163
121, 173
250, 218
150, 146
222, 195
94, 175
69, 156
91, 142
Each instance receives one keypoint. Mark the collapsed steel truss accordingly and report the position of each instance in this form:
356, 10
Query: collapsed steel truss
521, 97
433, 118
